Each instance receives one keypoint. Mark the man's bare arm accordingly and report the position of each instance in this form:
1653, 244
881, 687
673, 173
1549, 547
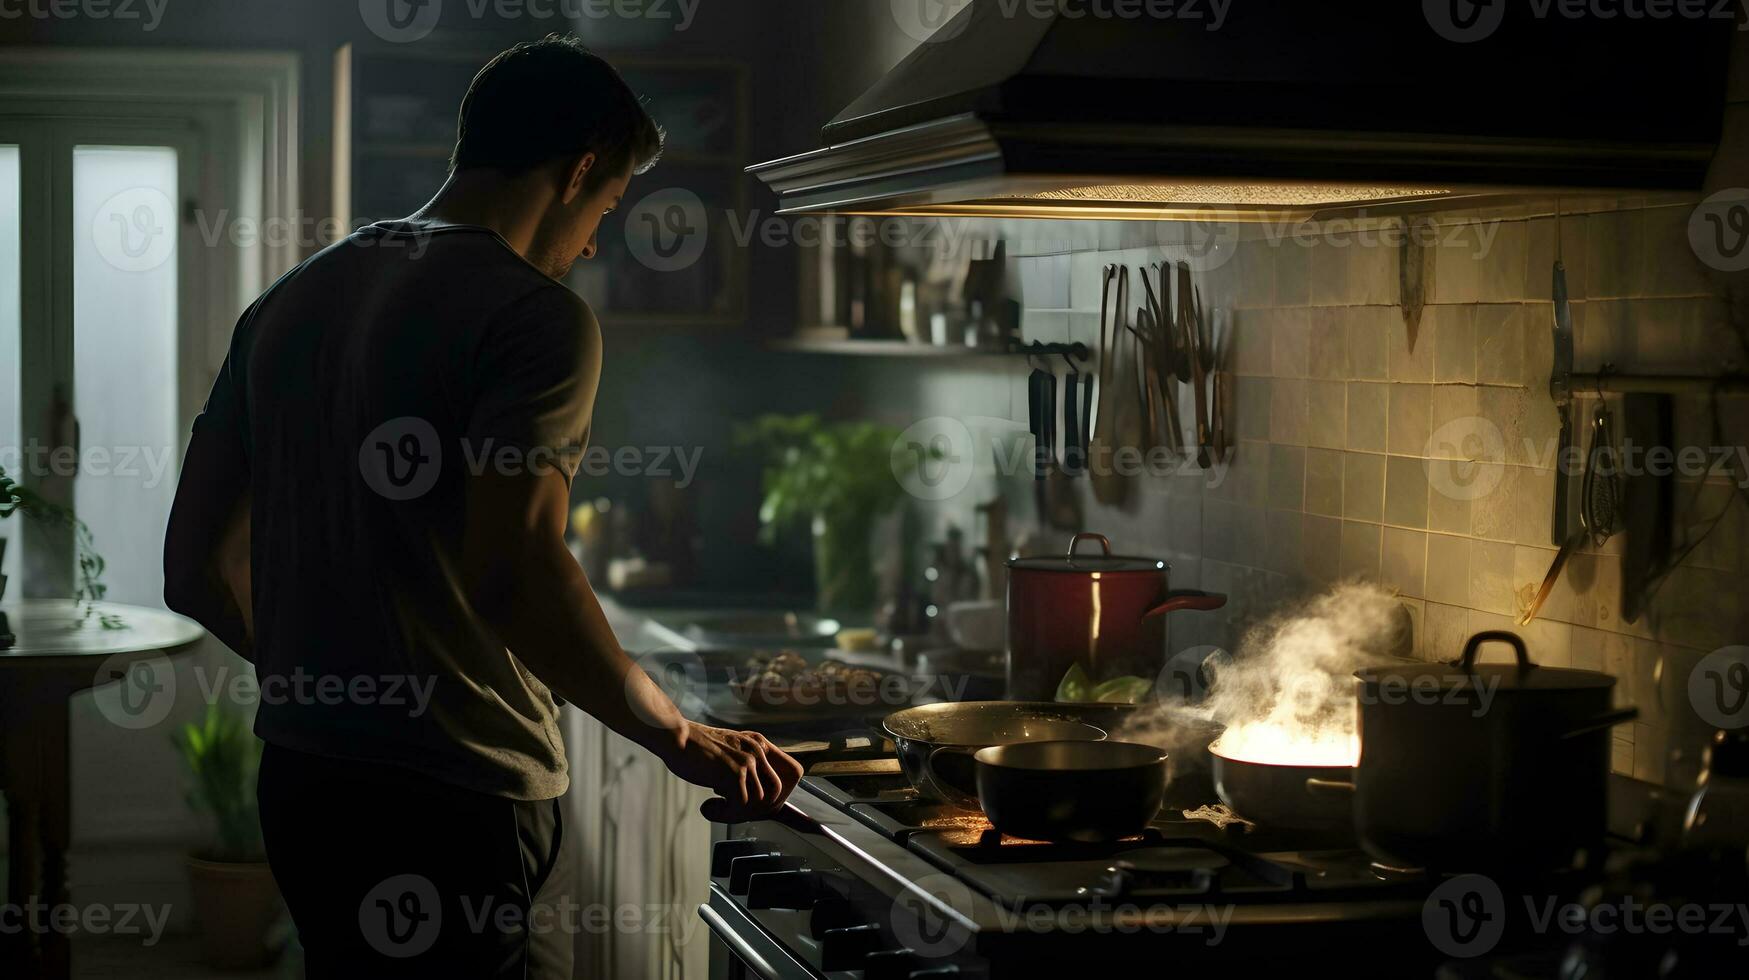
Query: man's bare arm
523, 580
206, 547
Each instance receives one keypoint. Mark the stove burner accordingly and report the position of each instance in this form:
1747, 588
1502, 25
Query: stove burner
992, 838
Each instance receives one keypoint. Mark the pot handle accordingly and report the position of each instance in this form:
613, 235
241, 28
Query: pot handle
1187, 599
1329, 787
1604, 722
953, 772
1468, 661
1075, 542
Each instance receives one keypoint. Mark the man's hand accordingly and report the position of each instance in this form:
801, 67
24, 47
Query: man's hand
750, 776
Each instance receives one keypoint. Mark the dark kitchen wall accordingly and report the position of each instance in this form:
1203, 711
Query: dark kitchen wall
1427, 469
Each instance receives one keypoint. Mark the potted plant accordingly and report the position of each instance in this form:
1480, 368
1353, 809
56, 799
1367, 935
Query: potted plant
16, 498
837, 479
236, 902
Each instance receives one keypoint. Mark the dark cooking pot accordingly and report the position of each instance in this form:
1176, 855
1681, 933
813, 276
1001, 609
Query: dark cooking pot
1104, 612
1282, 796
936, 742
1482, 767
1082, 792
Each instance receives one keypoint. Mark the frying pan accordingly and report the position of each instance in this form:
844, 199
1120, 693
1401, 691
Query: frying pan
936, 742
1277, 795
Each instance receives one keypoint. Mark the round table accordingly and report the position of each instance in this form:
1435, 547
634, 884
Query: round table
61, 648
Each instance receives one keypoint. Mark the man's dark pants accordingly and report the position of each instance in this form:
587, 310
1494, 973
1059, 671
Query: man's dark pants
390, 874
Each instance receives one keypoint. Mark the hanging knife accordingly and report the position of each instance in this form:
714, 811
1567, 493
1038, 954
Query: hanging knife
1560, 389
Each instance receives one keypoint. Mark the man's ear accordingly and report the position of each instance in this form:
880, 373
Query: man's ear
578, 173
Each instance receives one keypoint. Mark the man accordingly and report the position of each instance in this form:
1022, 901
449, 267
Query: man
372, 510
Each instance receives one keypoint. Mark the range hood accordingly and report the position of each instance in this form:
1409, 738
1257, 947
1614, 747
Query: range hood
1153, 109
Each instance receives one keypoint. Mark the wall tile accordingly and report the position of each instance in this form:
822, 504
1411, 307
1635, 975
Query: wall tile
1360, 550
1324, 482
1326, 414
1373, 279
1500, 344
1287, 477
1292, 343
1366, 416
1503, 260
1329, 344
1253, 342
1329, 267
1406, 492
1448, 513
1409, 424
1321, 548
1457, 270
1287, 412
1491, 586
1403, 561
1457, 431
1448, 626
1363, 486
1671, 267
1283, 553
1613, 255
1454, 344
1293, 272
1413, 365
1369, 342
1251, 407
1448, 569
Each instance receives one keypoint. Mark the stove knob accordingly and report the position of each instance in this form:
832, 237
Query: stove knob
724, 851
845, 949
891, 964
743, 868
831, 913
783, 889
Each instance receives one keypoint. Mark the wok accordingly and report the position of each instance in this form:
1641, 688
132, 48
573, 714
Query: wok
936, 742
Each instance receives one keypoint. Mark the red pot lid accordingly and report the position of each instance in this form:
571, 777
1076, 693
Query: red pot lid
1103, 563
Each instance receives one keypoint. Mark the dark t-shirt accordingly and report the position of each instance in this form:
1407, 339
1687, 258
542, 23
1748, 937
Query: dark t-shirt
361, 389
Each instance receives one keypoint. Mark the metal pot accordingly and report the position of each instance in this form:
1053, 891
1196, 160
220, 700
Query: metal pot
1482, 767
1082, 792
1105, 613
1283, 796
936, 742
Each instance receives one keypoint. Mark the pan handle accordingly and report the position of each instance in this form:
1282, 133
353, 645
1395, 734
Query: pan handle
1603, 722
1187, 599
1329, 787
953, 773
1468, 661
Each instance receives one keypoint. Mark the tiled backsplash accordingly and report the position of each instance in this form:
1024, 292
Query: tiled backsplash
1346, 462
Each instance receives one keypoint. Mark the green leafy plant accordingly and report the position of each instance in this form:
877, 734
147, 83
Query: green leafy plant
15, 497
835, 478
223, 756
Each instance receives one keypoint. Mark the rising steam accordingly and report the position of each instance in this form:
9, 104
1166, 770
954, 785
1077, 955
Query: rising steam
1287, 696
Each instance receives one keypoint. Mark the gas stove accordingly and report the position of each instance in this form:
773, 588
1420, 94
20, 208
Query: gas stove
858, 877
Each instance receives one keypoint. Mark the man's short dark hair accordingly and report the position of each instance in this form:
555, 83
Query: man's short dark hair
553, 99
